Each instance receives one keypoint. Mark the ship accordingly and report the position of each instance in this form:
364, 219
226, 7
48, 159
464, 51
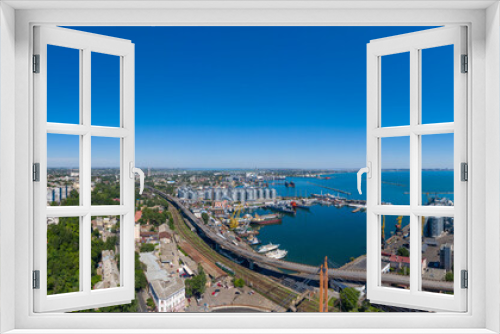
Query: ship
283, 208
266, 219
304, 204
277, 254
267, 248
290, 184
253, 240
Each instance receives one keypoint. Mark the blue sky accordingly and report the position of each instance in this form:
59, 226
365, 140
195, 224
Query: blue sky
246, 97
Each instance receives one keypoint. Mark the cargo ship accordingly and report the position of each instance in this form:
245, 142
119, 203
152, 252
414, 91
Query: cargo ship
290, 184
283, 208
273, 218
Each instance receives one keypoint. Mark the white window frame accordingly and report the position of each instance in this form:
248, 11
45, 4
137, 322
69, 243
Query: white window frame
482, 19
414, 43
85, 43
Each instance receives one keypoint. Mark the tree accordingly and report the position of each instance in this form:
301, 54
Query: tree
140, 278
449, 276
151, 303
403, 251
196, 285
147, 248
63, 256
349, 299
239, 282
205, 217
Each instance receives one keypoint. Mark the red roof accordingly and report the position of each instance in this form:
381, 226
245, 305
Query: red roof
165, 235
138, 215
399, 259
148, 234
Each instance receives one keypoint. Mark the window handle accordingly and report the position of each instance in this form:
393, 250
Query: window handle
368, 171
135, 170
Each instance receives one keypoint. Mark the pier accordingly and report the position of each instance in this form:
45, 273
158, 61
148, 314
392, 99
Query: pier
330, 188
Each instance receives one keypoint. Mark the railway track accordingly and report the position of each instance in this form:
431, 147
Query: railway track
261, 284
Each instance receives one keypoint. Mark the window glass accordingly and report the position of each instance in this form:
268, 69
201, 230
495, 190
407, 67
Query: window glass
437, 169
105, 252
63, 255
437, 84
395, 89
437, 254
63, 170
395, 250
395, 172
63, 85
105, 171
105, 90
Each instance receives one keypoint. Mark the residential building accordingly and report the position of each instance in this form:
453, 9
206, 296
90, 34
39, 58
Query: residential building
446, 256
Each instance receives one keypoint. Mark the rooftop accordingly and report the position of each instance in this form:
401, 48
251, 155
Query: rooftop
165, 289
153, 270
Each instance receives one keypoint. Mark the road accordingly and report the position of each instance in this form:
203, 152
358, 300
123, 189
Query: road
350, 275
141, 297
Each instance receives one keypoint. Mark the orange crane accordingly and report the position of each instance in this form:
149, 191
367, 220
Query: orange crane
323, 287
383, 232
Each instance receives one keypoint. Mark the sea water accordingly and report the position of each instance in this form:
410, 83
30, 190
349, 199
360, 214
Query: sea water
339, 233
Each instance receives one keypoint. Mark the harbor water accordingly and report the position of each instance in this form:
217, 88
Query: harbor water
339, 233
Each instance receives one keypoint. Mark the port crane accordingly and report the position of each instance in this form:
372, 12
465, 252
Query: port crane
399, 224
323, 287
233, 220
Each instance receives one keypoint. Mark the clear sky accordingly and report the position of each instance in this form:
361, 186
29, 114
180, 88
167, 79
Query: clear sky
246, 97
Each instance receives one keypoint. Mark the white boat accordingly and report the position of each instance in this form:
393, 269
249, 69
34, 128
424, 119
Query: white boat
277, 254
267, 248
254, 241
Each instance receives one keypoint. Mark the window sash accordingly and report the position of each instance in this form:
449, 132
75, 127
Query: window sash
87, 43
413, 43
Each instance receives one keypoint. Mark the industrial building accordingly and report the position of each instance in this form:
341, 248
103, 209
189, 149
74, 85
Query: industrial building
245, 194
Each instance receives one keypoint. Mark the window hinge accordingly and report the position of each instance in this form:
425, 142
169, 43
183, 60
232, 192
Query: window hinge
464, 169
36, 172
36, 279
465, 64
36, 63
465, 279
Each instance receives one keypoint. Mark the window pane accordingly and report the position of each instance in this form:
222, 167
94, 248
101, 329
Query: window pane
437, 85
395, 173
105, 252
63, 85
395, 249
105, 171
63, 170
63, 255
437, 169
395, 90
105, 90
437, 253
